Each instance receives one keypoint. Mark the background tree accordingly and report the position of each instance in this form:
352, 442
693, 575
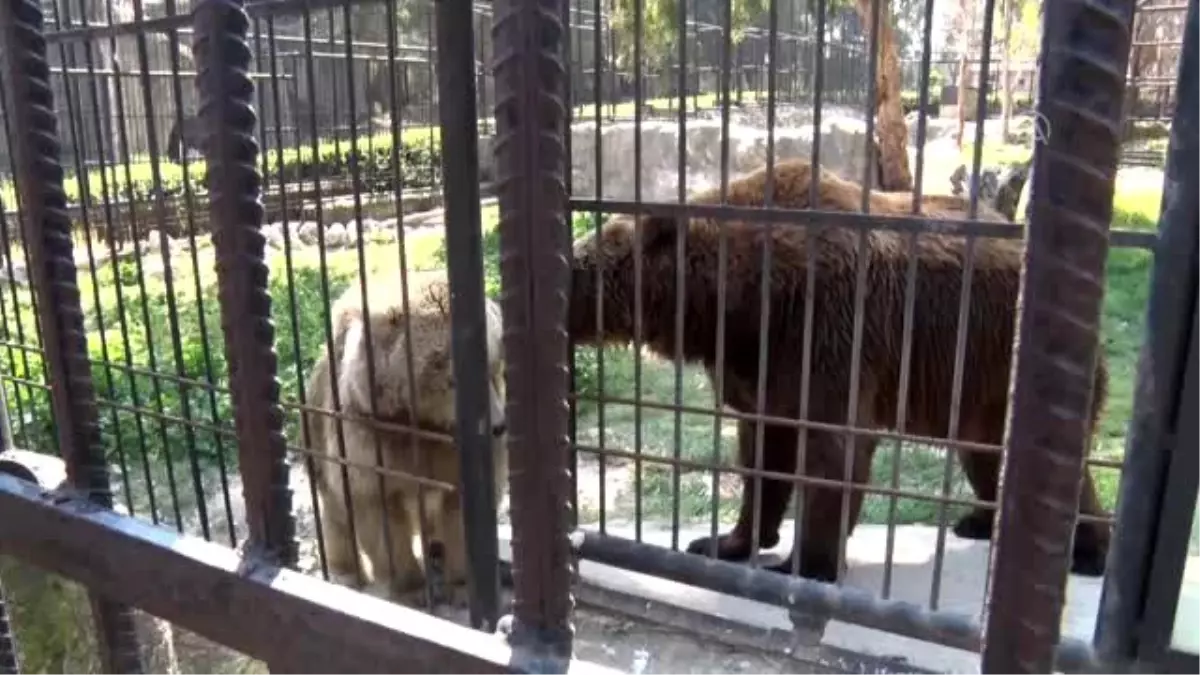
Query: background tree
660, 23
660, 20
1022, 25
891, 129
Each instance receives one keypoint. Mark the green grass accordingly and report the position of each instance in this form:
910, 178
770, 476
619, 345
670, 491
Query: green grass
921, 468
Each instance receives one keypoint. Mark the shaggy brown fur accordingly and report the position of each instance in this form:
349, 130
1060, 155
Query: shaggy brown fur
834, 253
429, 325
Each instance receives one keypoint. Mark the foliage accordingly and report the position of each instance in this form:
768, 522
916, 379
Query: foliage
660, 23
419, 158
911, 100
1026, 29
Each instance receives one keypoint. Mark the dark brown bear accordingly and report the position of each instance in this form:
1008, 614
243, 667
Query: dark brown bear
834, 254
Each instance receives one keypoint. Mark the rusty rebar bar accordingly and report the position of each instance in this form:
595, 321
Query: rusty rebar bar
530, 156
236, 211
48, 243
1080, 93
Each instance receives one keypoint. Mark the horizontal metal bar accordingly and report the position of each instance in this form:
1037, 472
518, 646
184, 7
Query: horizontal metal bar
798, 479
261, 9
278, 615
856, 221
136, 72
850, 430
851, 605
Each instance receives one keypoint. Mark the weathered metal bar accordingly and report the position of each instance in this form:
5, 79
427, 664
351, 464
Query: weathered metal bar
48, 241
474, 429
1156, 409
841, 219
259, 10
1081, 90
1178, 507
806, 595
534, 247
236, 211
9, 663
262, 610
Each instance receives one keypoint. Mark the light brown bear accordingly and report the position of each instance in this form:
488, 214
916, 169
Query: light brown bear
428, 319
834, 253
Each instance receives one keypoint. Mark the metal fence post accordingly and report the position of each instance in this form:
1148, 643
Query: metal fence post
47, 234
8, 644
1081, 90
236, 211
534, 249
1157, 409
460, 169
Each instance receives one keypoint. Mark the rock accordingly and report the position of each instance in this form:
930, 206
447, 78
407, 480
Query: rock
274, 234
1012, 186
999, 187
842, 138
335, 236
150, 245
988, 182
308, 233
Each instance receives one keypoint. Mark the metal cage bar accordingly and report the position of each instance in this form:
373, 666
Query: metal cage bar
48, 241
1157, 410
9, 663
464, 260
295, 622
530, 155
236, 211
1080, 94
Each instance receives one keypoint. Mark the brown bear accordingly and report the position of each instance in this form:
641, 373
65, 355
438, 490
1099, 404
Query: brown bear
834, 254
416, 327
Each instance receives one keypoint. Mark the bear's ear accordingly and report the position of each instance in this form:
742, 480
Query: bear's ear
658, 231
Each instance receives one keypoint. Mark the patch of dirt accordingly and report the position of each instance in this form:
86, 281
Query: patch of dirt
636, 646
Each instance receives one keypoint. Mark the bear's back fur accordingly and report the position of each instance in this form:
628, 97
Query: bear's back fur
833, 253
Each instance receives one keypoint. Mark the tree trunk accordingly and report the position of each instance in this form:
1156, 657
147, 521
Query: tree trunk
1006, 100
891, 130
967, 23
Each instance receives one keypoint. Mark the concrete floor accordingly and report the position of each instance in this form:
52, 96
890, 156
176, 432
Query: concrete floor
963, 578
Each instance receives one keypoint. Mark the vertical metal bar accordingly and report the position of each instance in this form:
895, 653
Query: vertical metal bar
68, 58
1177, 508
1156, 409
1080, 93
639, 282
534, 252
236, 212
9, 663
368, 339
602, 459
323, 266
168, 274
810, 283
48, 245
6, 437
464, 260
289, 271
572, 412
681, 287
722, 273
764, 308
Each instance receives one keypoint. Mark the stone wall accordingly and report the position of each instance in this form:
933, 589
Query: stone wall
842, 147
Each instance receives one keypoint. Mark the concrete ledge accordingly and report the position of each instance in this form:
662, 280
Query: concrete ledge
742, 621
